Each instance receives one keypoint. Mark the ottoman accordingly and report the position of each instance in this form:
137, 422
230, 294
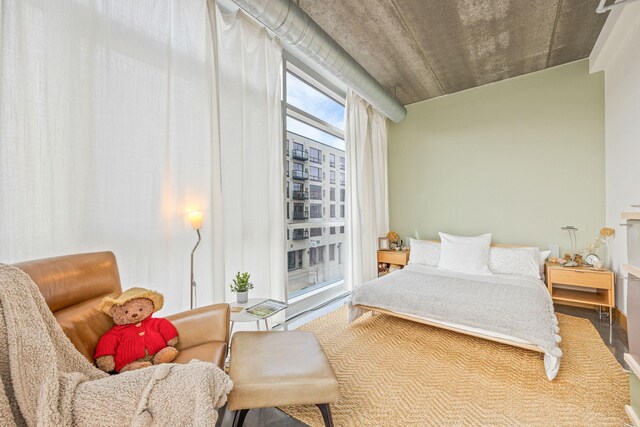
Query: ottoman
286, 368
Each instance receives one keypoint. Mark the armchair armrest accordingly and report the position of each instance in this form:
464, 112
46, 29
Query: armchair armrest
202, 325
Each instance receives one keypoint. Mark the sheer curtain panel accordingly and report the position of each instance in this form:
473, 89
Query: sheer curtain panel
251, 155
107, 117
367, 208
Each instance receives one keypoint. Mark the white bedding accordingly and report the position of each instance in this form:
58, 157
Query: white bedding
514, 308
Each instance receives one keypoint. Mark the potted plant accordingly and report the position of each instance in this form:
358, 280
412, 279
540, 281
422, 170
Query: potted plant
241, 287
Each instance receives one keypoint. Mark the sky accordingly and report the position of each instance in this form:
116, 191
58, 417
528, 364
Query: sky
307, 98
296, 126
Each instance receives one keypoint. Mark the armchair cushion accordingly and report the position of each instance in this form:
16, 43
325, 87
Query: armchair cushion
214, 352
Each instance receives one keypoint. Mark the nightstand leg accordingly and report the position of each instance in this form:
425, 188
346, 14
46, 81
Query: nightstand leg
611, 315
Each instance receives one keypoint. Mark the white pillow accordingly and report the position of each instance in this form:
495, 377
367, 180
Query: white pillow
424, 252
515, 261
465, 254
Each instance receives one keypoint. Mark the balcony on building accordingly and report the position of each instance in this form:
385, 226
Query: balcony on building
299, 174
300, 215
300, 234
300, 154
301, 195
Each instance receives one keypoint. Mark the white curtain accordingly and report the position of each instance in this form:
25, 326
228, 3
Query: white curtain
251, 156
367, 207
107, 117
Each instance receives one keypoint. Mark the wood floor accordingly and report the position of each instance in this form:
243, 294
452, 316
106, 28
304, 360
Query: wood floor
614, 337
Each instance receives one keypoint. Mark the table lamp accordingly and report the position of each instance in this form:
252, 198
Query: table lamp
195, 219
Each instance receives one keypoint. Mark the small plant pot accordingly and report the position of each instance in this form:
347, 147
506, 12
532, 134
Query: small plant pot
242, 297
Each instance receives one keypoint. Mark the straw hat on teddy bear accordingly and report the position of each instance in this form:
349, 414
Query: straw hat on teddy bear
131, 294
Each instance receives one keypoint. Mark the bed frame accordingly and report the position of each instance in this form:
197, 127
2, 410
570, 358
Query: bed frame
531, 347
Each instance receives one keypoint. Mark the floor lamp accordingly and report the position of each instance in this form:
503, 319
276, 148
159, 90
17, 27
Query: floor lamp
195, 219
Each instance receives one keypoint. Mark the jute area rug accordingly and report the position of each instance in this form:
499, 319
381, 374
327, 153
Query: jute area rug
394, 372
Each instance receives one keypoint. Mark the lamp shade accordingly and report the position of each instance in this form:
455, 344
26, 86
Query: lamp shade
195, 219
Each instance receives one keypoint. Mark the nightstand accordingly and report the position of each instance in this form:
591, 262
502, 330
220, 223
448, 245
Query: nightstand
587, 286
391, 258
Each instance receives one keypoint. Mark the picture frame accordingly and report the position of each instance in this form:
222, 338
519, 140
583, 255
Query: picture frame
383, 244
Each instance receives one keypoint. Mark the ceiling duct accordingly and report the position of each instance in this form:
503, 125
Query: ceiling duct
296, 28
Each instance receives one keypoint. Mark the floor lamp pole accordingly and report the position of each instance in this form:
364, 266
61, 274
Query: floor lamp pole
193, 280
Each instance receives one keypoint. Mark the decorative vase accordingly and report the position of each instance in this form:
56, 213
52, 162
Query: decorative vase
242, 297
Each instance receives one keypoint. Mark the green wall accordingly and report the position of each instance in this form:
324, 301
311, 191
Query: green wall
518, 158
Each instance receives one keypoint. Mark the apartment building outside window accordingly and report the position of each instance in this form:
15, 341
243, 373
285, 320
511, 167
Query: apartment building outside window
314, 134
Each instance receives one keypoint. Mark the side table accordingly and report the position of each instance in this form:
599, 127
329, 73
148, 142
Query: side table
243, 316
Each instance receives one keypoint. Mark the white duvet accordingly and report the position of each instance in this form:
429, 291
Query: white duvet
499, 306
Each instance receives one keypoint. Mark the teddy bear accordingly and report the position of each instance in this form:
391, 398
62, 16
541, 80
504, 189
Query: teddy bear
137, 340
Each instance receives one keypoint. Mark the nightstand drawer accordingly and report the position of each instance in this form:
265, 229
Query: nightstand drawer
394, 257
585, 278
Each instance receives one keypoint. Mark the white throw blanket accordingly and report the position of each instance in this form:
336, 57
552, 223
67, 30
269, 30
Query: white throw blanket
45, 381
517, 307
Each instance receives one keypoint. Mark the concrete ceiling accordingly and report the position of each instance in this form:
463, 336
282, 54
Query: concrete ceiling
421, 49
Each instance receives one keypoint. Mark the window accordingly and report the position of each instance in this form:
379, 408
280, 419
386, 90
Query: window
315, 192
316, 210
342, 181
294, 259
315, 173
316, 255
291, 260
287, 168
342, 230
315, 155
342, 194
341, 211
342, 162
314, 124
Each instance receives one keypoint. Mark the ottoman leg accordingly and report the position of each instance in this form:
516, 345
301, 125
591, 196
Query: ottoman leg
238, 417
326, 414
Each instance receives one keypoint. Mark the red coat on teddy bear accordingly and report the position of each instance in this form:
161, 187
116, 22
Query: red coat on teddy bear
137, 340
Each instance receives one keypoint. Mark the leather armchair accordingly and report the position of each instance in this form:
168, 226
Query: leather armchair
73, 285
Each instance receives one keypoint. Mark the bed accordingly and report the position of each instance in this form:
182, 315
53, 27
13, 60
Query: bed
509, 309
